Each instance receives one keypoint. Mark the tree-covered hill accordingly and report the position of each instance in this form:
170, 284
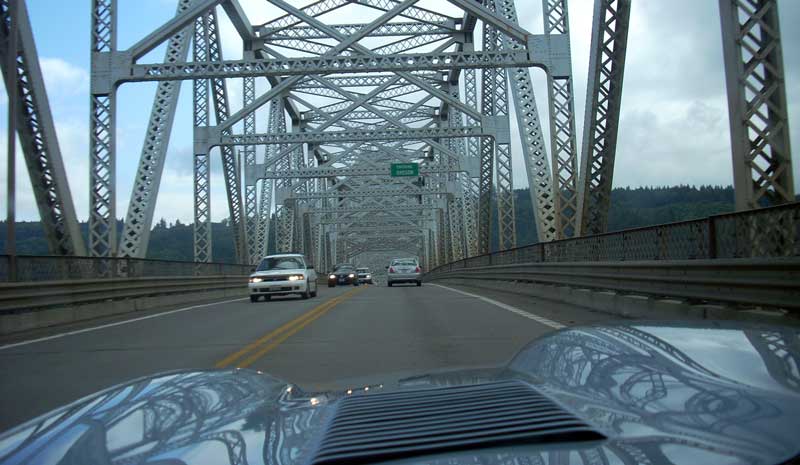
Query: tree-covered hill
630, 208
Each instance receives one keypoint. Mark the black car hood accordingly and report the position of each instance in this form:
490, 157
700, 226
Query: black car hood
718, 393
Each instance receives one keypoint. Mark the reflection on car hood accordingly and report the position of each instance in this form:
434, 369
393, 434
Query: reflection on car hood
659, 393
278, 272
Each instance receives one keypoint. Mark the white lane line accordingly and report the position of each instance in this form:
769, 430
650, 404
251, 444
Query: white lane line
530, 316
110, 325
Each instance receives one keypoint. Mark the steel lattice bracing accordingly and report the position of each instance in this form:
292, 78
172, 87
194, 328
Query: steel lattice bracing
102, 133
603, 99
37, 135
762, 166
202, 164
139, 220
341, 112
563, 145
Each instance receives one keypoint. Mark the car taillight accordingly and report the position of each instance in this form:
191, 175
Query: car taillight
391, 270
417, 270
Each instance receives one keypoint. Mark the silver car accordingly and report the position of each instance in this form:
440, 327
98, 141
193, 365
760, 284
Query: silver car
403, 270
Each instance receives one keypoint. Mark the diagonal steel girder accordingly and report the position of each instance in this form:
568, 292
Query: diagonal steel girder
36, 131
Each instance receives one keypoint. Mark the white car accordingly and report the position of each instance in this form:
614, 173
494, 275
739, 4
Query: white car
283, 274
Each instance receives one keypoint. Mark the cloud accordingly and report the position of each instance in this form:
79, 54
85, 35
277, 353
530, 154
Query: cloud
63, 79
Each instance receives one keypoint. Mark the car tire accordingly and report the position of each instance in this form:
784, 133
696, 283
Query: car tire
388, 284
267, 298
253, 298
419, 283
331, 285
307, 294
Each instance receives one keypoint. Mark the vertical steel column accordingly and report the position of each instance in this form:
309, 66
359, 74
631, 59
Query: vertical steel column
471, 185
264, 216
142, 205
495, 104
230, 166
250, 192
762, 156
601, 123
284, 212
10, 68
470, 215
202, 172
102, 132
563, 147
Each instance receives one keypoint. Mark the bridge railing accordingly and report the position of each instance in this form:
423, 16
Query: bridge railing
28, 268
763, 233
741, 260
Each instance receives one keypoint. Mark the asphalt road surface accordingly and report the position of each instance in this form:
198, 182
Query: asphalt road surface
345, 335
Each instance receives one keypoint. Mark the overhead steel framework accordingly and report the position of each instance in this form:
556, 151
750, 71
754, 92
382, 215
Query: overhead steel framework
329, 105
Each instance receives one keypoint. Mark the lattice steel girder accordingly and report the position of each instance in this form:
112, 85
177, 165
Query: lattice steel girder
322, 65
367, 80
102, 134
385, 30
410, 230
170, 28
230, 165
343, 136
255, 172
759, 117
534, 149
603, 101
563, 141
38, 139
201, 163
139, 219
367, 193
375, 209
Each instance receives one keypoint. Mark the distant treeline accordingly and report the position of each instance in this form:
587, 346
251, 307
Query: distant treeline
630, 208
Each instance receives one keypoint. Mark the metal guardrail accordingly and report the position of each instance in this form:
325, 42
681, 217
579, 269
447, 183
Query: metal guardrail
38, 295
61, 268
754, 282
747, 258
762, 233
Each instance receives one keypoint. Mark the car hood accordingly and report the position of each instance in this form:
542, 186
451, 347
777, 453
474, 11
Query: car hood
654, 392
278, 272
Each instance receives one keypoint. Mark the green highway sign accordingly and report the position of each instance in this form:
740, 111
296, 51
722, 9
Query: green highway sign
405, 169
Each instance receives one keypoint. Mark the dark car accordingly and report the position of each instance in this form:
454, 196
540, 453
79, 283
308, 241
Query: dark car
642, 392
344, 274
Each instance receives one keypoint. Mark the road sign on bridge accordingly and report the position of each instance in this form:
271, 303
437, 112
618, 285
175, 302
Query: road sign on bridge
405, 169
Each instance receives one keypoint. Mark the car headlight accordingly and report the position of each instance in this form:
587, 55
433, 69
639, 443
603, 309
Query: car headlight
333, 276
256, 280
369, 276
351, 276
296, 277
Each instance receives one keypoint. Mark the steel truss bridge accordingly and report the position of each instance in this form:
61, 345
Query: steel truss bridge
346, 100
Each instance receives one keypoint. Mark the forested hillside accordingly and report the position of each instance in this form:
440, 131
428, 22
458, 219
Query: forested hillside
630, 208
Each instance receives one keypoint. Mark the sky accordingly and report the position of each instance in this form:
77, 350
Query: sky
673, 124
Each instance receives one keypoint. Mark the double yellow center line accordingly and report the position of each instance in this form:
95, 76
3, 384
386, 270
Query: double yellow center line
261, 346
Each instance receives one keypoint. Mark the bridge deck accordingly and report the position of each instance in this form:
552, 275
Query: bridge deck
334, 341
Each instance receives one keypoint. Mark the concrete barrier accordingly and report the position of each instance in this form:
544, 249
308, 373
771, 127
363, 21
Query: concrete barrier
627, 305
87, 303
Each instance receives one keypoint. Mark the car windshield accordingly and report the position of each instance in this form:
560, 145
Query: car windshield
363, 270
404, 263
280, 263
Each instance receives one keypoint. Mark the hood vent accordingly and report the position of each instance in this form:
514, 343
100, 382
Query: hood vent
369, 428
